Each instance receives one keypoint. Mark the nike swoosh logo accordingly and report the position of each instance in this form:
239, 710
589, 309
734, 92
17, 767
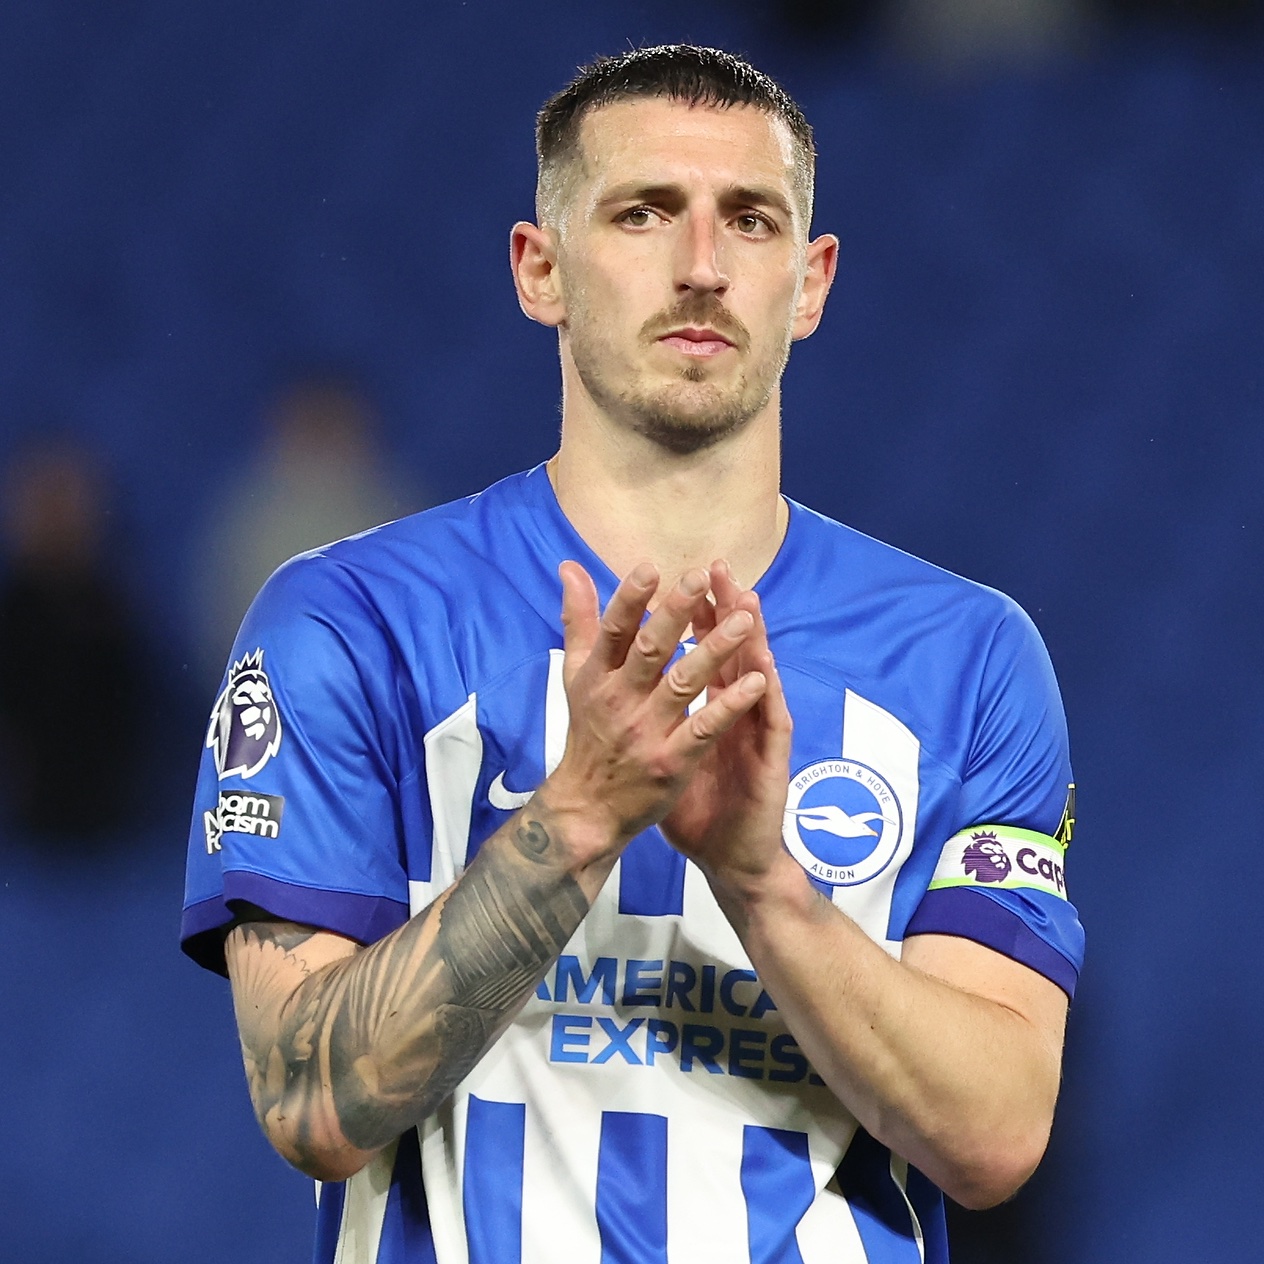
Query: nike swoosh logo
507, 800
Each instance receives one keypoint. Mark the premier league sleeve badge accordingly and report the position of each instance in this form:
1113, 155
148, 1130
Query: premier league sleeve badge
245, 728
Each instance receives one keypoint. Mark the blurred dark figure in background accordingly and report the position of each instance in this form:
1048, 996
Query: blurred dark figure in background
71, 677
965, 32
1207, 10
321, 477
828, 19
957, 31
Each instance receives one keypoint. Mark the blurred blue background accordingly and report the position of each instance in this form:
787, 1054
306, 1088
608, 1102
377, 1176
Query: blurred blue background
1040, 367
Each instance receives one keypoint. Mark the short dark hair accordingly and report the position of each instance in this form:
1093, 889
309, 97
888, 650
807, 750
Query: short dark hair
678, 72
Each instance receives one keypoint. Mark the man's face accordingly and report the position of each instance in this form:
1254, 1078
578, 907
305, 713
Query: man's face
682, 252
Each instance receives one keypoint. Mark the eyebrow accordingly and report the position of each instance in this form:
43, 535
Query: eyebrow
758, 196
673, 197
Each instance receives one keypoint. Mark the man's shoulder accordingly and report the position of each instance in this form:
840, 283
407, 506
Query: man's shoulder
919, 641
838, 562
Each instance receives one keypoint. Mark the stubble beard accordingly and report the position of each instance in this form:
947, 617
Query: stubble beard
689, 417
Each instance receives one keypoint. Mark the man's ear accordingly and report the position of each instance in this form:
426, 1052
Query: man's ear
822, 262
533, 259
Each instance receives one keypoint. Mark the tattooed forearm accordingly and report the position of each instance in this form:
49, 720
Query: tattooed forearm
495, 932
374, 1042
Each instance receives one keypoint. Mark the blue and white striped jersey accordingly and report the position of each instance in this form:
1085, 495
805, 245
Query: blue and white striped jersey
393, 697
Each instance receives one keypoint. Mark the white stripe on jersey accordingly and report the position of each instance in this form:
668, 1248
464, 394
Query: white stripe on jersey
364, 1209
558, 1218
557, 713
899, 1174
875, 737
703, 1172
454, 758
442, 1168
704, 925
827, 1234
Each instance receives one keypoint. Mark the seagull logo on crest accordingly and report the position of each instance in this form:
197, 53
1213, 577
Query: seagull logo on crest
833, 820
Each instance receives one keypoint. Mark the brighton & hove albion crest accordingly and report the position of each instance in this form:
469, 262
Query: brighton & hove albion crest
245, 729
843, 822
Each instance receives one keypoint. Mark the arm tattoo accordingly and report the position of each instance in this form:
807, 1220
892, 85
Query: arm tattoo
381, 1038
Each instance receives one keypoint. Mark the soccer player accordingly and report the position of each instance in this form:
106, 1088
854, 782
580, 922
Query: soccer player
588, 898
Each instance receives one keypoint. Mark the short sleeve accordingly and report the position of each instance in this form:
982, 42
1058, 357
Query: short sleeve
1001, 876
298, 803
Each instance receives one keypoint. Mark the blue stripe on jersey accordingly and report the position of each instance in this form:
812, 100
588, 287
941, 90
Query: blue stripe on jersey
328, 1221
928, 1203
877, 1205
778, 1187
632, 1188
651, 877
406, 1236
495, 1133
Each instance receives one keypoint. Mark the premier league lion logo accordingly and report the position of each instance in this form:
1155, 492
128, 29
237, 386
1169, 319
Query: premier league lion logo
245, 729
985, 858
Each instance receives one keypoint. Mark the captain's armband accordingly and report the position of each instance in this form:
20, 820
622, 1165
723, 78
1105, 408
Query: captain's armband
1002, 857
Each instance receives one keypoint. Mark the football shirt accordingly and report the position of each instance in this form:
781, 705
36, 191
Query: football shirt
394, 697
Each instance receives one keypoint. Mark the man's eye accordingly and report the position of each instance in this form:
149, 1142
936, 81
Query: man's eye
751, 223
637, 217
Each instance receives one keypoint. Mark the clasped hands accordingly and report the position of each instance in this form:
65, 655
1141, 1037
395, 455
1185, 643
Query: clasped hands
713, 779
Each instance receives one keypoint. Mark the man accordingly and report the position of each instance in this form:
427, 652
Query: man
738, 928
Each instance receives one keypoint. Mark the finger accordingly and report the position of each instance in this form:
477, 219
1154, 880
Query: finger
720, 714
727, 590
579, 617
729, 596
704, 620
732, 667
756, 644
656, 640
622, 617
691, 673
704, 623
776, 723
756, 655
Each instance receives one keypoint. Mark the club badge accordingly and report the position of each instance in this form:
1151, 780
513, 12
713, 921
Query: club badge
842, 822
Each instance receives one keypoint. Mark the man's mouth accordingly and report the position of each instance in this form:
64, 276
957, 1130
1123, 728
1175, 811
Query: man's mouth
696, 341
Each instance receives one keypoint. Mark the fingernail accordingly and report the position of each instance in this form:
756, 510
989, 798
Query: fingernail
752, 682
737, 622
694, 583
643, 575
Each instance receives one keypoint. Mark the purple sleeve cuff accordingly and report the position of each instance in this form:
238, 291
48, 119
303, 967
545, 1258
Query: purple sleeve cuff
364, 918
973, 915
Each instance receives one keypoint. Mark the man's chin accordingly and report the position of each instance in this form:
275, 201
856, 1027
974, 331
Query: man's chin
686, 433
683, 412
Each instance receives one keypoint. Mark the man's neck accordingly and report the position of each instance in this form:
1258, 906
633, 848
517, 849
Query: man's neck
632, 501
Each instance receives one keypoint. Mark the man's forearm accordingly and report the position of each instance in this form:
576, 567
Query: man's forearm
367, 1046
346, 1049
961, 1086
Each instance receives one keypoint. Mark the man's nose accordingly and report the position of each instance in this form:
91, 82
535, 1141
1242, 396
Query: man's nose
700, 266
